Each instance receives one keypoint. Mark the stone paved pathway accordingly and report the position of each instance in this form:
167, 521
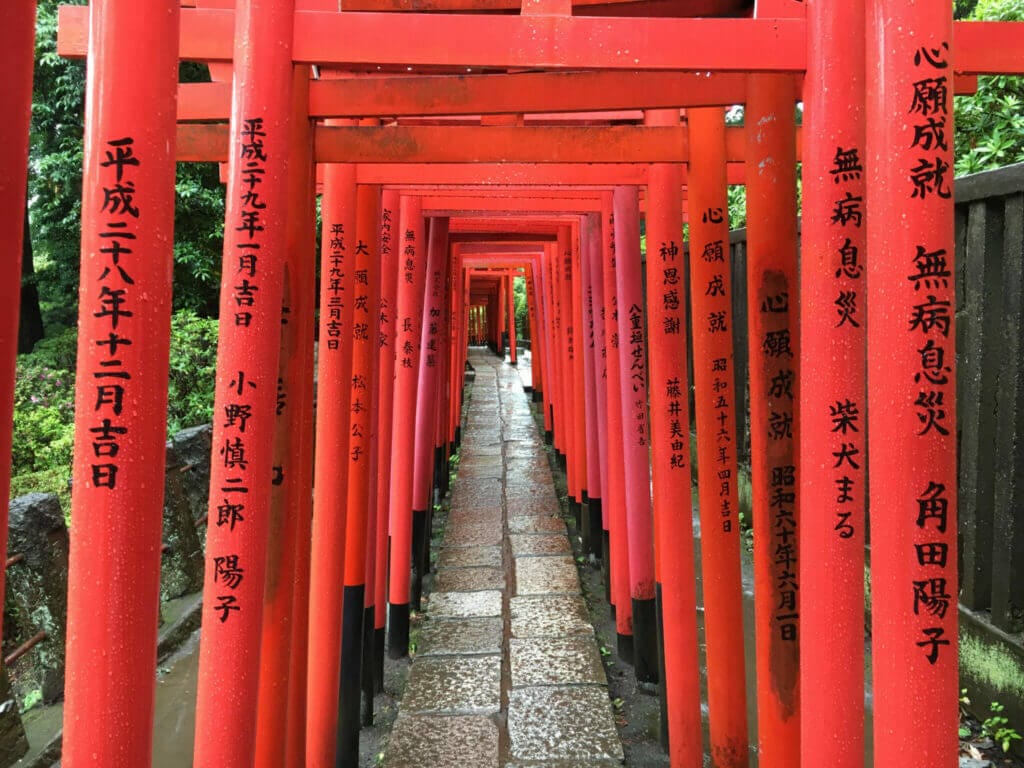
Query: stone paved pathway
507, 671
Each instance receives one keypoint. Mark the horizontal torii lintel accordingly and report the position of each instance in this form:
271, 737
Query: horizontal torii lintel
476, 144
449, 95
539, 96
551, 42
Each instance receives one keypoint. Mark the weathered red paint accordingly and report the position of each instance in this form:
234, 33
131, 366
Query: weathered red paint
774, 375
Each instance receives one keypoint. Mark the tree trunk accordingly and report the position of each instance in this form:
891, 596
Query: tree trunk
30, 325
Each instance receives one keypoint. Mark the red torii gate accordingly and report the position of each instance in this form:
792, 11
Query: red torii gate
914, 487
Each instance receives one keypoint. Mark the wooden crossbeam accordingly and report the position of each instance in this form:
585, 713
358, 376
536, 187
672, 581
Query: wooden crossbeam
461, 144
353, 40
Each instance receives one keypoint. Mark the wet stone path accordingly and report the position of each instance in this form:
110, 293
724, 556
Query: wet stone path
507, 671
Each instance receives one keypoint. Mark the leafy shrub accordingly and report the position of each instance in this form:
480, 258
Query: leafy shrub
193, 370
44, 399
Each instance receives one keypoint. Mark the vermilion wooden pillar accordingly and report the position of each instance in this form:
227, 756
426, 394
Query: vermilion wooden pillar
390, 244
547, 327
302, 506
510, 281
361, 383
16, 50
676, 590
246, 395
635, 430
715, 405
288, 494
599, 505
412, 276
912, 382
536, 345
618, 550
567, 323
427, 390
327, 571
590, 251
832, 410
772, 318
579, 427
121, 386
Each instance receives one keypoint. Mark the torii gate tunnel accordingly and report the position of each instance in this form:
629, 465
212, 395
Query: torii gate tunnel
460, 146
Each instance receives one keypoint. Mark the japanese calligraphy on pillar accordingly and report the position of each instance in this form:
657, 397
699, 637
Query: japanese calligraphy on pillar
238, 397
844, 411
112, 307
712, 333
435, 313
407, 331
385, 318
671, 326
359, 423
335, 286
930, 325
777, 354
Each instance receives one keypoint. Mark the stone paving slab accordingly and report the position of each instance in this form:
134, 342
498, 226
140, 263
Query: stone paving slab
476, 514
540, 544
465, 685
562, 723
546, 576
469, 557
465, 605
536, 524
556, 661
419, 741
549, 616
527, 507
469, 579
472, 637
472, 535
557, 712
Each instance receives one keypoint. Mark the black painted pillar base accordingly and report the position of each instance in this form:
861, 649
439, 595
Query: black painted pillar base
440, 471
549, 437
562, 461
586, 545
596, 531
645, 640
576, 510
663, 734
458, 437
379, 645
368, 666
537, 395
625, 647
420, 556
398, 630
606, 561
351, 671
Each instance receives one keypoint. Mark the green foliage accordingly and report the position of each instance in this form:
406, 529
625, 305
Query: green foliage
522, 313
193, 371
990, 124
55, 189
44, 408
997, 727
55, 170
44, 392
198, 238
